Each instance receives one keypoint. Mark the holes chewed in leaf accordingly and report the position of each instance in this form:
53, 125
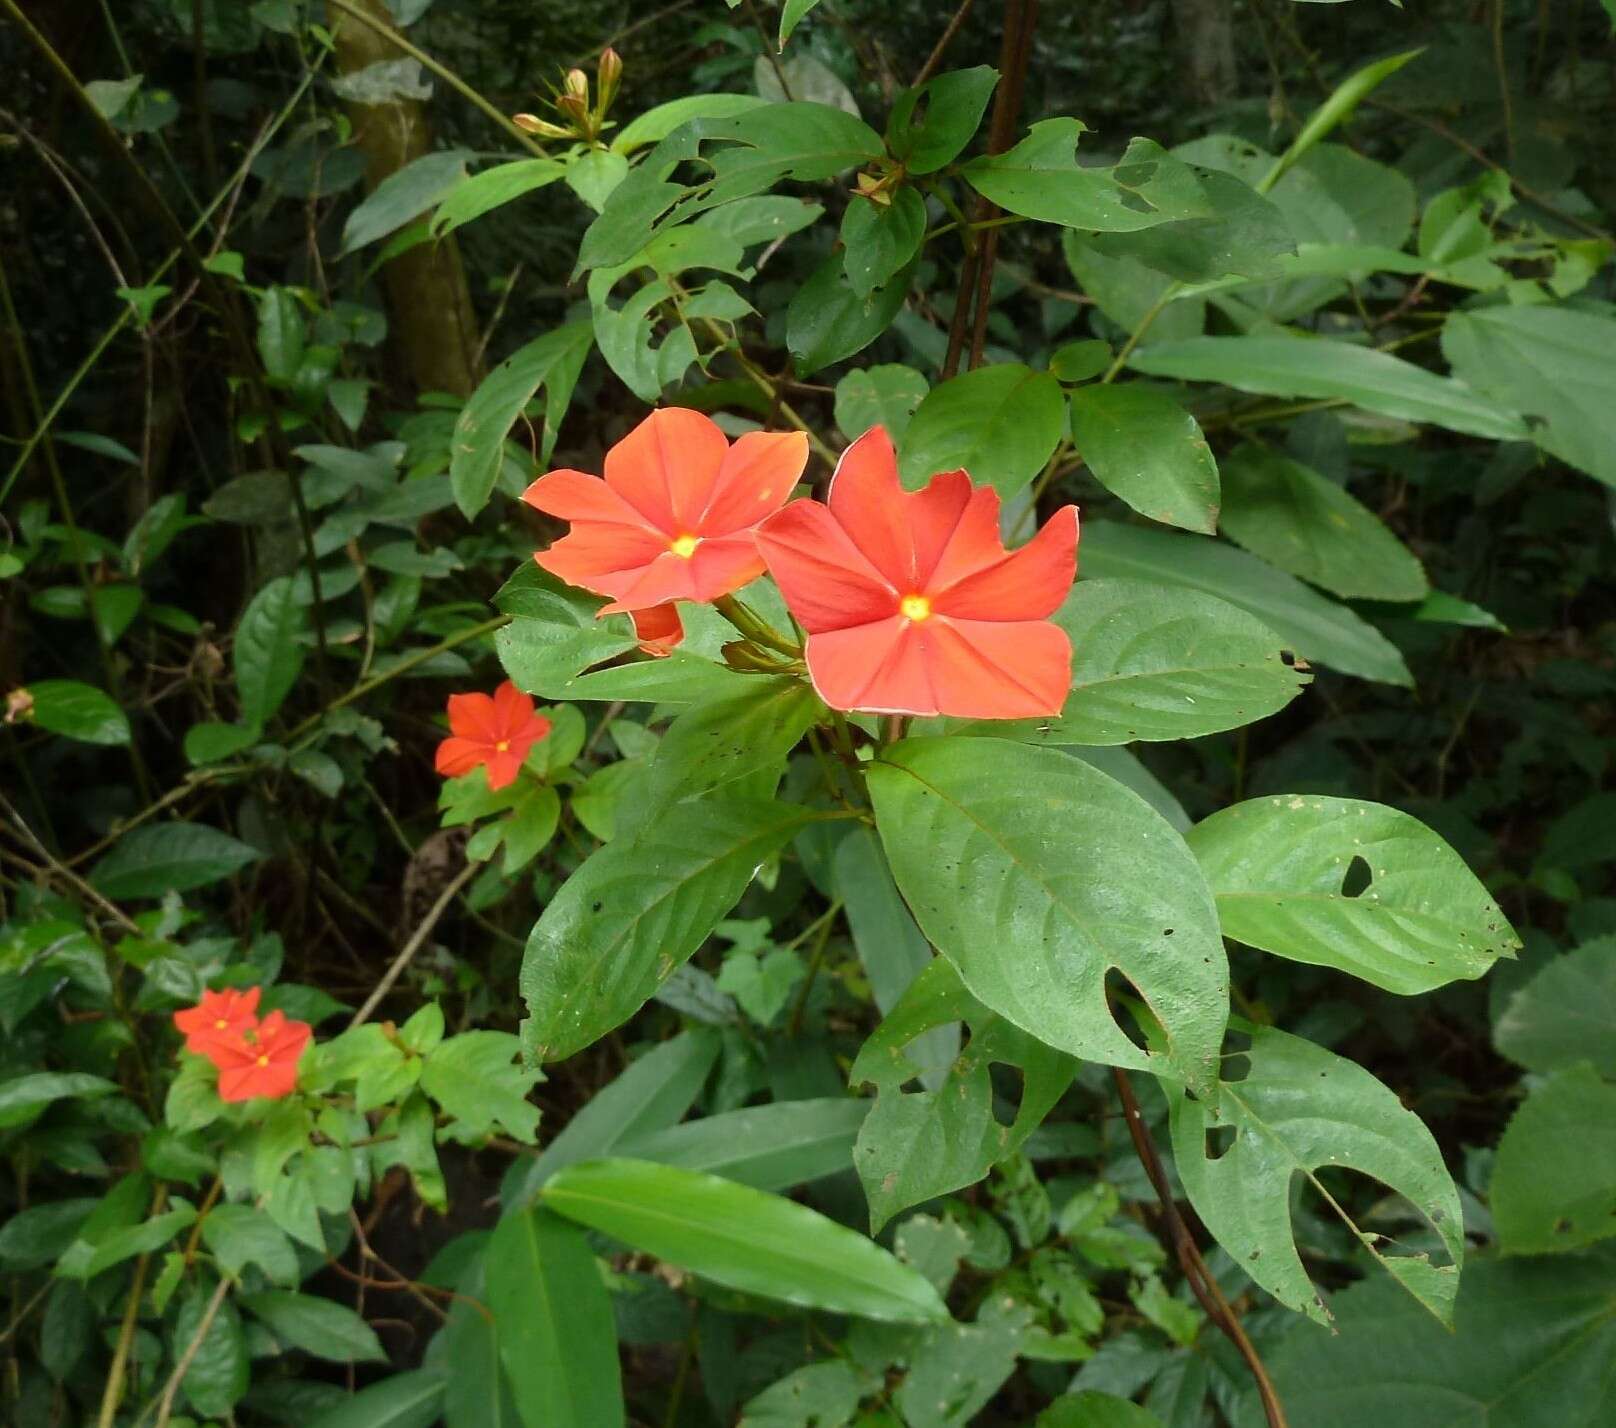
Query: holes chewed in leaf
1358, 877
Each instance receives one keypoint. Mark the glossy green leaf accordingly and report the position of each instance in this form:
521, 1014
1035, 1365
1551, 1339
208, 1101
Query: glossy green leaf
239, 1235
475, 1078
880, 239
1356, 886
316, 1325
1315, 367
218, 1373
131, 1240
743, 1239
829, 320
404, 196
552, 361
638, 908
1549, 363
954, 103
37, 1235
721, 741
1146, 449
1553, 1184
1152, 662
478, 1393
1531, 1347
772, 1147
1022, 895
817, 1393
917, 1145
1298, 1110
280, 333
491, 189
159, 858
556, 1335
77, 711
657, 123
1304, 523
1566, 1013
1311, 624
956, 1370
1000, 423
269, 649
406, 1400
553, 633
792, 14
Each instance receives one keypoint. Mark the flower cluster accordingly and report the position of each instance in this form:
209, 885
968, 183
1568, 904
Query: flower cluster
496, 732
909, 601
253, 1057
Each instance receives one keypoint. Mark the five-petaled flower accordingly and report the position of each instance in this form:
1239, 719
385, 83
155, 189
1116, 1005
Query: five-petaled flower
219, 1016
492, 731
674, 517
261, 1061
910, 601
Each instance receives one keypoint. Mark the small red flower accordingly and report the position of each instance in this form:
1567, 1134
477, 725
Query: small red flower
674, 516
263, 1060
658, 629
910, 601
495, 731
219, 1016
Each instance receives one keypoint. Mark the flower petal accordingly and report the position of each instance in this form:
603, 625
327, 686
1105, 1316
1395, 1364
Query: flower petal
659, 628
998, 669
503, 767
666, 467
869, 505
1028, 584
472, 716
879, 668
512, 710
602, 558
826, 581
715, 568
457, 756
955, 538
578, 496
754, 481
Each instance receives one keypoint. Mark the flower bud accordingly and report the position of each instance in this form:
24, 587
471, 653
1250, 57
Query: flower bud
532, 124
608, 75
576, 83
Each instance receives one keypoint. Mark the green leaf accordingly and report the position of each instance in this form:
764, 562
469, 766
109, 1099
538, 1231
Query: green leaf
556, 1334
129, 1240
1000, 423
269, 649
1311, 624
676, 680
1566, 1013
828, 319
1089, 1409
474, 1078
404, 196
1554, 1182
318, 1326
478, 448
792, 13
1022, 896
212, 743
1146, 449
218, 1373
1318, 367
1080, 360
479, 1391
954, 104
721, 741
1336, 109
280, 333
66, 1330
239, 1235
491, 189
406, 1400
1153, 662
886, 395
1549, 363
78, 711
957, 1369
36, 1236
1356, 886
880, 239
815, 1394
772, 1147
917, 1145
743, 1239
553, 633
1392, 1365
648, 1097
1298, 1110
24, 1097
1304, 523
657, 123
162, 858
638, 908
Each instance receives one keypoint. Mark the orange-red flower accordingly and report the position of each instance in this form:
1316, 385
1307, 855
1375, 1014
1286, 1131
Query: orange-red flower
658, 629
910, 601
263, 1060
496, 732
219, 1016
674, 516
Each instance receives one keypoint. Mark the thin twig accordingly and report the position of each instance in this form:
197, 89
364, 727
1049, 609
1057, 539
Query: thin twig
166, 1408
935, 58
56, 868
414, 945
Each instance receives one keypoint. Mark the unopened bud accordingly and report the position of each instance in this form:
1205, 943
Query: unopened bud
608, 75
532, 124
575, 110
576, 83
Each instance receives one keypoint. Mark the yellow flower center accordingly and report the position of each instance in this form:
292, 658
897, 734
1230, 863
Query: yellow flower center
502, 746
221, 1024
263, 1061
684, 546
914, 607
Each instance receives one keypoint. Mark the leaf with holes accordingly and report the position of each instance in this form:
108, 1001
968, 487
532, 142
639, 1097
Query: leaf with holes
917, 1145
952, 106
1352, 885
1303, 522
554, 633
1299, 1110
1035, 875
1566, 1013
1554, 1182
1150, 662
1146, 449
1000, 423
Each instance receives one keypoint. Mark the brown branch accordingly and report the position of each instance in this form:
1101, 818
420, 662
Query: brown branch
417, 939
935, 58
1201, 1281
